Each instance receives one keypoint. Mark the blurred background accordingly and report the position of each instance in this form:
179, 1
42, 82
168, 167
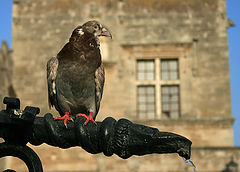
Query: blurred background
169, 65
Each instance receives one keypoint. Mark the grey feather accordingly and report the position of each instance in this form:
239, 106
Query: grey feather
99, 81
52, 66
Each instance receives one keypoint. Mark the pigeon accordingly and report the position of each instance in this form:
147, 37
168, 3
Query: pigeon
75, 77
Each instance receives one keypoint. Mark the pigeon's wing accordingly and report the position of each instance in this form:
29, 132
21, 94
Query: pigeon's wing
99, 82
52, 67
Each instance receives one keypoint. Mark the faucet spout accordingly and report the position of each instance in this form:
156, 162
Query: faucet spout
146, 140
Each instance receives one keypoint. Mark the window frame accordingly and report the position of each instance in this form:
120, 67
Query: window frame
169, 71
179, 101
154, 76
138, 99
157, 83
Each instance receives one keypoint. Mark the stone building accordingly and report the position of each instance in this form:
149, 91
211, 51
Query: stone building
166, 67
6, 70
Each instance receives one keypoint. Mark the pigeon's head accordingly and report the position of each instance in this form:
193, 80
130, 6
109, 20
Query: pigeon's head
95, 28
89, 31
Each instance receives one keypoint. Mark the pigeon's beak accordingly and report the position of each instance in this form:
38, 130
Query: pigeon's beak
105, 32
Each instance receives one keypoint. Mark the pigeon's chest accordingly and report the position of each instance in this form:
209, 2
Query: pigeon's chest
75, 82
75, 73
76, 70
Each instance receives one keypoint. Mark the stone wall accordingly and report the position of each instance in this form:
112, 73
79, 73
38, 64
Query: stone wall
206, 159
6, 71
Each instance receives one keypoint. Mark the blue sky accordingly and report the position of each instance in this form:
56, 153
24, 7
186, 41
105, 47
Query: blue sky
6, 21
233, 13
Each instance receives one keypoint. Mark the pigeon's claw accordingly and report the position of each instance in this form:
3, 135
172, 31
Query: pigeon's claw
65, 118
88, 118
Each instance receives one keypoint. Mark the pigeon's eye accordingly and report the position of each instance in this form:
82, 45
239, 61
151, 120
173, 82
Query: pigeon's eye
95, 27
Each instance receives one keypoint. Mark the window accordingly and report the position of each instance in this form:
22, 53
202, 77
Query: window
170, 101
169, 69
158, 88
146, 102
146, 70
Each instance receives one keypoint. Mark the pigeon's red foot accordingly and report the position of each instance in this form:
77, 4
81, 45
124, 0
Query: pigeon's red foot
88, 118
65, 118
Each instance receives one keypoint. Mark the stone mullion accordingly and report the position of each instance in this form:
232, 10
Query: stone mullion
157, 89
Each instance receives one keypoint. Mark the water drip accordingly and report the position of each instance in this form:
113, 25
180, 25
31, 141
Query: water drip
189, 162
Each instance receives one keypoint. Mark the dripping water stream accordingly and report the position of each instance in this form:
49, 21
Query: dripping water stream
189, 162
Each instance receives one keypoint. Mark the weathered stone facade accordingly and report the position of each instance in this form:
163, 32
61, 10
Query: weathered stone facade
6, 71
195, 32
